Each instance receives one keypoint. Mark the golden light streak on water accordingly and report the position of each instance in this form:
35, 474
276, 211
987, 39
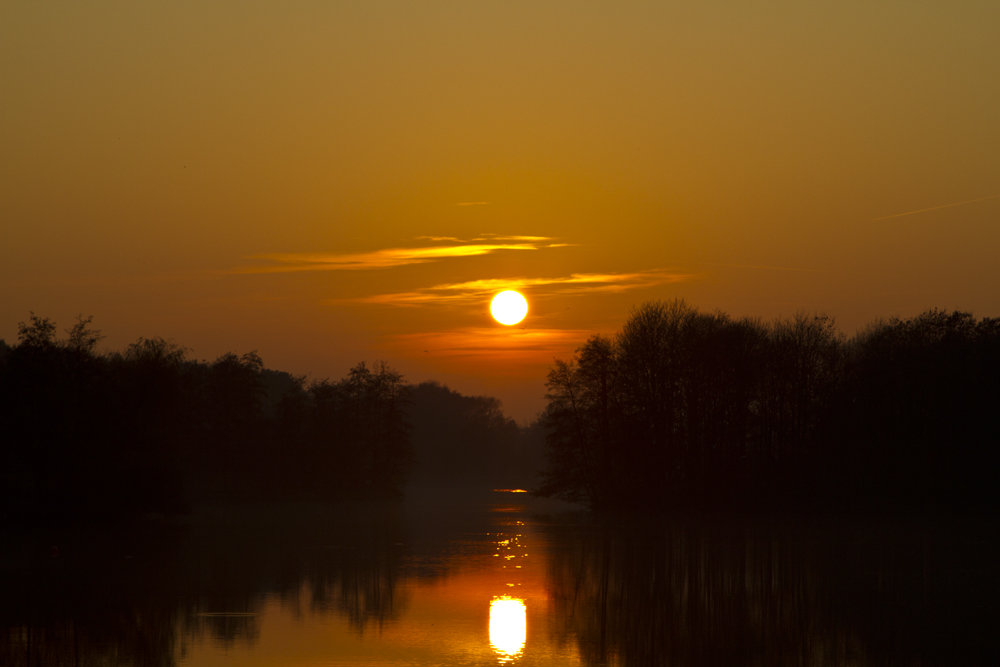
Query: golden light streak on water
508, 627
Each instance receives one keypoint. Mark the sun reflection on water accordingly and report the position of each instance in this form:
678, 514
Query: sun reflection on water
508, 627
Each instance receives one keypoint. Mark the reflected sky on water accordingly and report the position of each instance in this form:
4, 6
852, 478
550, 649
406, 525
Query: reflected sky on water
470, 589
497, 578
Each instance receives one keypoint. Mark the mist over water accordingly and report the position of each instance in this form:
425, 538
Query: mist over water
494, 578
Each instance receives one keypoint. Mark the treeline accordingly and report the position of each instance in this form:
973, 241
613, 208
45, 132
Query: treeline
690, 409
149, 430
468, 441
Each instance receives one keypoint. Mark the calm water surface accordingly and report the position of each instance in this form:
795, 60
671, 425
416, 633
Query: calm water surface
498, 578
448, 579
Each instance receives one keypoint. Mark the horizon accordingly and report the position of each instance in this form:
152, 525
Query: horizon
332, 184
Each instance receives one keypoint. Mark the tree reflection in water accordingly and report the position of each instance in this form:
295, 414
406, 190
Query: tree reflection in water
141, 595
625, 592
635, 593
66, 602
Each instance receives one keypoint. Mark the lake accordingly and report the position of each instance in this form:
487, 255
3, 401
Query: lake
497, 577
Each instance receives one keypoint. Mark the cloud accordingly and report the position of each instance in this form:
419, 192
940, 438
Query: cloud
472, 203
390, 257
539, 239
934, 208
494, 238
498, 350
578, 283
479, 340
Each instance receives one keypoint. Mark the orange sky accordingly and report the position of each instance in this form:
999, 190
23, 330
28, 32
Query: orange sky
330, 182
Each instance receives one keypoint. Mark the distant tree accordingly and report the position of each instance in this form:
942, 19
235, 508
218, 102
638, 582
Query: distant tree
155, 350
375, 419
461, 440
652, 360
570, 473
82, 337
800, 370
37, 332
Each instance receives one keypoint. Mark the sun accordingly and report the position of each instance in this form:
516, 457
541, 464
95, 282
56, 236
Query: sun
509, 307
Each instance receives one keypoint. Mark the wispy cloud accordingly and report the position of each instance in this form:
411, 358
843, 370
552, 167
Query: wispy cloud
502, 351
389, 257
493, 238
578, 283
934, 208
476, 340
497, 237
472, 203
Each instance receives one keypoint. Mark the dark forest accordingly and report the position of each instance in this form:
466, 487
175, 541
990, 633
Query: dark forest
147, 430
680, 410
683, 409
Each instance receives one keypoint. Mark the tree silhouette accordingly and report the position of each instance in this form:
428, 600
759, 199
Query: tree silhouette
37, 332
683, 408
91, 435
